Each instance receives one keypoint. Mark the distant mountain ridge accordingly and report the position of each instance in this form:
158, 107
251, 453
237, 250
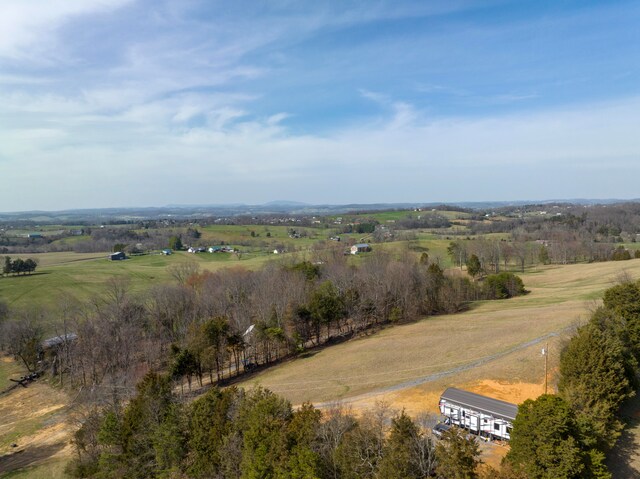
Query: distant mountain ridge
277, 207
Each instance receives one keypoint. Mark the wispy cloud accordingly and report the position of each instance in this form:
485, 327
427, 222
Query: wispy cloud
201, 163
142, 102
28, 27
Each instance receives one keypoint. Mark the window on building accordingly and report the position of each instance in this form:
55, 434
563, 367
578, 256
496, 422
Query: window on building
509, 430
496, 426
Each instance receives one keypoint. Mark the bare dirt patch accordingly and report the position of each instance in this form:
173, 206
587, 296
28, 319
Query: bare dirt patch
33, 427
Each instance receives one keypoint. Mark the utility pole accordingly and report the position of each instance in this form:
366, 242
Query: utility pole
545, 353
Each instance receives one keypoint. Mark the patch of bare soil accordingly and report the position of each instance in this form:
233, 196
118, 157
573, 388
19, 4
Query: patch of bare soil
33, 426
425, 398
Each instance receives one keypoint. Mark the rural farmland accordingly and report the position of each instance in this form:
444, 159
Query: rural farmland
492, 349
500, 340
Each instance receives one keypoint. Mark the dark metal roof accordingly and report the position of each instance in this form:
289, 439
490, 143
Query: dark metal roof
58, 340
486, 405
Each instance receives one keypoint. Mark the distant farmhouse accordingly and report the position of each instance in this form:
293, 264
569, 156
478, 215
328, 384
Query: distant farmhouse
360, 248
117, 256
481, 415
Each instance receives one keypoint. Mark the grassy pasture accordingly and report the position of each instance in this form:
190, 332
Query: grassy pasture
81, 275
241, 234
384, 216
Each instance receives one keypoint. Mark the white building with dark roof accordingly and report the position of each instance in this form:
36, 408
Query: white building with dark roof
479, 414
360, 248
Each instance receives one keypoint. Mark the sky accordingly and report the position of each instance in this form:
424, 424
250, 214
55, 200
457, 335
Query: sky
117, 103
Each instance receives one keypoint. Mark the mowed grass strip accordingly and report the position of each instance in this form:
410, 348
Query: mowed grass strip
560, 297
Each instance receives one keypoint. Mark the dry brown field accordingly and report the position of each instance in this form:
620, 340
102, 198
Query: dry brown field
494, 347
35, 428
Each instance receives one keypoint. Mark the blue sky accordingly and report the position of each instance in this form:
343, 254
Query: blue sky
108, 103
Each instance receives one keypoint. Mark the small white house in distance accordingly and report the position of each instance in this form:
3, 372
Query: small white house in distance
482, 415
360, 248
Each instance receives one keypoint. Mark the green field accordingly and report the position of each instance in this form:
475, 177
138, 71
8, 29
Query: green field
82, 275
385, 216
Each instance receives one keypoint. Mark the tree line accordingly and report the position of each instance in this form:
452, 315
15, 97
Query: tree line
18, 266
216, 325
236, 433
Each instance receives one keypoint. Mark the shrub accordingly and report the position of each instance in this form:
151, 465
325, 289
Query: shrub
620, 254
503, 285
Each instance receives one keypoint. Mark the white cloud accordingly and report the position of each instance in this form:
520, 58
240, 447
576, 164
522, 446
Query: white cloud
27, 27
181, 112
236, 158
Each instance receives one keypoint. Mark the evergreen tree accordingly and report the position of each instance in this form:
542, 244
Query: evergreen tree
210, 422
175, 243
457, 455
593, 379
543, 255
624, 301
148, 439
263, 421
544, 440
399, 459
7, 269
216, 331
326, 304
474, 267
302, 435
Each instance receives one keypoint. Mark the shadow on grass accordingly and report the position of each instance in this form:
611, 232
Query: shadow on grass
28, 456
25, 275
624, 460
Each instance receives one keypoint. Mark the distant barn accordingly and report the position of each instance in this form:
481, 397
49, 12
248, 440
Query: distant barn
479, 414
117, 256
